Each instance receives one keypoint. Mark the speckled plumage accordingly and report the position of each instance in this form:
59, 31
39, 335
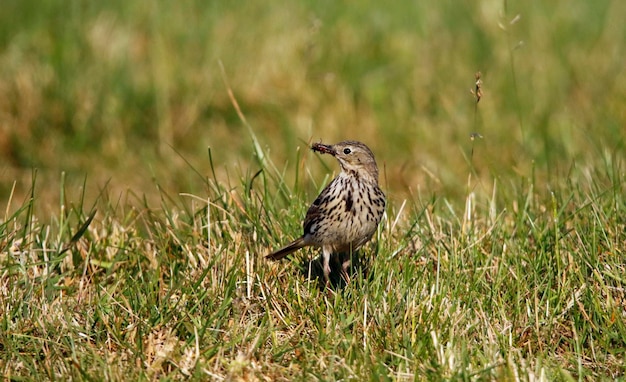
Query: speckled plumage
346, 213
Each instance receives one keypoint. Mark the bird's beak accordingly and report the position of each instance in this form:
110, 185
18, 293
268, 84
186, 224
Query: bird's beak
324, 149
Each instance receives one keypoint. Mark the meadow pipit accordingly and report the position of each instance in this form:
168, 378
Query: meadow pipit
346, 213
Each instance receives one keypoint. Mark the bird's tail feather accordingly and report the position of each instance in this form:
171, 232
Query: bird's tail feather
293, 246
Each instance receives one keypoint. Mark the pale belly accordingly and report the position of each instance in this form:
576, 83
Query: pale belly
347, 219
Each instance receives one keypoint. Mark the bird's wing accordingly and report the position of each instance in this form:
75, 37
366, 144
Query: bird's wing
321, 207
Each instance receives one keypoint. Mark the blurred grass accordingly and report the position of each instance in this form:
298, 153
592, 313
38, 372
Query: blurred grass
104, 90
506, 261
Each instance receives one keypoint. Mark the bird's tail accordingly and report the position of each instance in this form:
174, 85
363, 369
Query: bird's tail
293, 246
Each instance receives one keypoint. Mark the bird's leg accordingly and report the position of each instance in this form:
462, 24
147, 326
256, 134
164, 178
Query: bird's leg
326, 252
344, 270
344, 261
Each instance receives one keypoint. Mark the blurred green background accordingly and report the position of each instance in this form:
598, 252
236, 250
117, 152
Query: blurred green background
128, 94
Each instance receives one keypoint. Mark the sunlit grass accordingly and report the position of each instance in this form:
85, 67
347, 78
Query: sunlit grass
524, 284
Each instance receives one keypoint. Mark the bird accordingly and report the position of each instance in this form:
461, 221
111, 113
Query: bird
347, 212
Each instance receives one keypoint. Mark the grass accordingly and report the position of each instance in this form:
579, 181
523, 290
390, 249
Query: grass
523, 284
500, 257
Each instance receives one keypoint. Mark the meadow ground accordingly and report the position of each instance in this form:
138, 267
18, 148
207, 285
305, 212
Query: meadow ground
151, 154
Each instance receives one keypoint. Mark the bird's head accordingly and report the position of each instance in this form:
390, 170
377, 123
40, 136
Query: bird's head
353, 157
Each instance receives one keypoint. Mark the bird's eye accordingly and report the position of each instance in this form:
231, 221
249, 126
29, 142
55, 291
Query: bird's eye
347, 151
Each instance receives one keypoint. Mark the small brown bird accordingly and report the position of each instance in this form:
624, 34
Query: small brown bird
346, 213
